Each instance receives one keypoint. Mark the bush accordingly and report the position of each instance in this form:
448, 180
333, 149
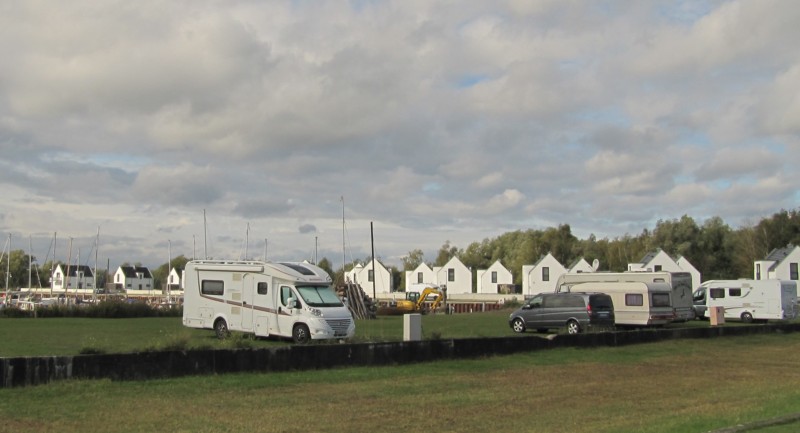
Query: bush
103, 310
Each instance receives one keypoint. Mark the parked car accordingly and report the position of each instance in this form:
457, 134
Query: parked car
576, 311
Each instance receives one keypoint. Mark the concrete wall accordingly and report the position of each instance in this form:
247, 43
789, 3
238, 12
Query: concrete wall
26, 371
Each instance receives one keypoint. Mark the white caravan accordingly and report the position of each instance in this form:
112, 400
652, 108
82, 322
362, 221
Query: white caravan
279, 299
636, 303
680, 282
749, 300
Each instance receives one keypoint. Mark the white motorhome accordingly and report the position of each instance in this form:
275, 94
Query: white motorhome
748, 300
267, 299
680, 282
636, 303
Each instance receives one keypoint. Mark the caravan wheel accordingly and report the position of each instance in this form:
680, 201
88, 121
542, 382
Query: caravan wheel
300, 334
221, 328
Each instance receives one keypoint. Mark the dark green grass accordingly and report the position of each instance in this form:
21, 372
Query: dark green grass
672, 386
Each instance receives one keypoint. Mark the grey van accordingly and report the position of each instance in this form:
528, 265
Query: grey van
575, 311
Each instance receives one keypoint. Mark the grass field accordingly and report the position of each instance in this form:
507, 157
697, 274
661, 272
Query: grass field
672, 386
70, 336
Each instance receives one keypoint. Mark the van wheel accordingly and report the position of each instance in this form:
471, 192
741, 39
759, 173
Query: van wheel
221, 328
518, 325
300, 334
747, 317
573, 327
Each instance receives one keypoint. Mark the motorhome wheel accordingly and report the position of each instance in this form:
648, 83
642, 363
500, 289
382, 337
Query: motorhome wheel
300, 334
221, 328
747, 317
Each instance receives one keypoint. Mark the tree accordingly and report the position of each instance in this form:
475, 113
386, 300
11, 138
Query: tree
325, 265
413, 259
446, 252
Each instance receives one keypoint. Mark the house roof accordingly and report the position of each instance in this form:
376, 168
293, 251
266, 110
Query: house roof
74, 269
779, 254
134, 271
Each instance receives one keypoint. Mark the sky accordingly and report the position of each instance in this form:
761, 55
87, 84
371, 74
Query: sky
286, 129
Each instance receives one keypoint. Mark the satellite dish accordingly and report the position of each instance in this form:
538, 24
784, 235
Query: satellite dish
595, 265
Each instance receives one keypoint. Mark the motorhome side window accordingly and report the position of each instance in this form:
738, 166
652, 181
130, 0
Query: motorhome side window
634, 299
734, 292
212, 287
716, 293
262, 287
660, 300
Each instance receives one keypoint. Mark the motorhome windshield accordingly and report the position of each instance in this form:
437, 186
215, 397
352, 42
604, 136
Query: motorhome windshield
319, 296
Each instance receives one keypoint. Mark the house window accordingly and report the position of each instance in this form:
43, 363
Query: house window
758, 271
118, 277
419, 277
634, 299
657, 268
546, 274
371, 275
494, 277
793, 271
451, 274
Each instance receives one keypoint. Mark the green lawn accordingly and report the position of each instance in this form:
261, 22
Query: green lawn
71, 336
671, 386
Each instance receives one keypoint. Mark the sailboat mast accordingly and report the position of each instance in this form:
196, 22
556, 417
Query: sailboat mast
343, 247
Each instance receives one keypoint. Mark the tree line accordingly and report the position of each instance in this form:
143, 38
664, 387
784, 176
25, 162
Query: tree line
713, 247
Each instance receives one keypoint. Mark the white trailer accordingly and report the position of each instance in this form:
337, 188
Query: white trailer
636, 303
264, 298
680, 283
749, 300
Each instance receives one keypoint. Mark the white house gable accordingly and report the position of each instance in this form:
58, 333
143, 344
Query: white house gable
490, 279
423, 274
542, 276
780, 264
455, 275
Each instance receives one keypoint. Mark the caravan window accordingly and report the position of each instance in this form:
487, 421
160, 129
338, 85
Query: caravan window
660, 300
212, 287
716, 293
634, 299
262, 287
734, 292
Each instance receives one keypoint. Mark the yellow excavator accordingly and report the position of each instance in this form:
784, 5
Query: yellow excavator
415, 302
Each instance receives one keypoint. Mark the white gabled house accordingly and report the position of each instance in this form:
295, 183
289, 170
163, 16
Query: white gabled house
541, 277
174, 281
133, 278
455, 275
580, 266
422, 274
779, 264
490, 279
658, 260
73, 277
364, 276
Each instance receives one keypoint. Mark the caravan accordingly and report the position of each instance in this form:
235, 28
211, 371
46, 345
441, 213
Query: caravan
636, 303
267, 299
748, 300
680, 282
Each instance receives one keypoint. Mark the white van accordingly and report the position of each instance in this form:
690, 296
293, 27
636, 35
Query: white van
636, 303
279, 299
748, 300
680, 282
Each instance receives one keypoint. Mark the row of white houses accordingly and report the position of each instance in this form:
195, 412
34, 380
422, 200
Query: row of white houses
127, 278
781, 263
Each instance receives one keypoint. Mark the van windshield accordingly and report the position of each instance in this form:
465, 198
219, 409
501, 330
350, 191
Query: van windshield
319, 296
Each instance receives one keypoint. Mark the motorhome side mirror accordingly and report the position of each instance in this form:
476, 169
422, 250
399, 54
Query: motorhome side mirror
526, 306
292, 303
